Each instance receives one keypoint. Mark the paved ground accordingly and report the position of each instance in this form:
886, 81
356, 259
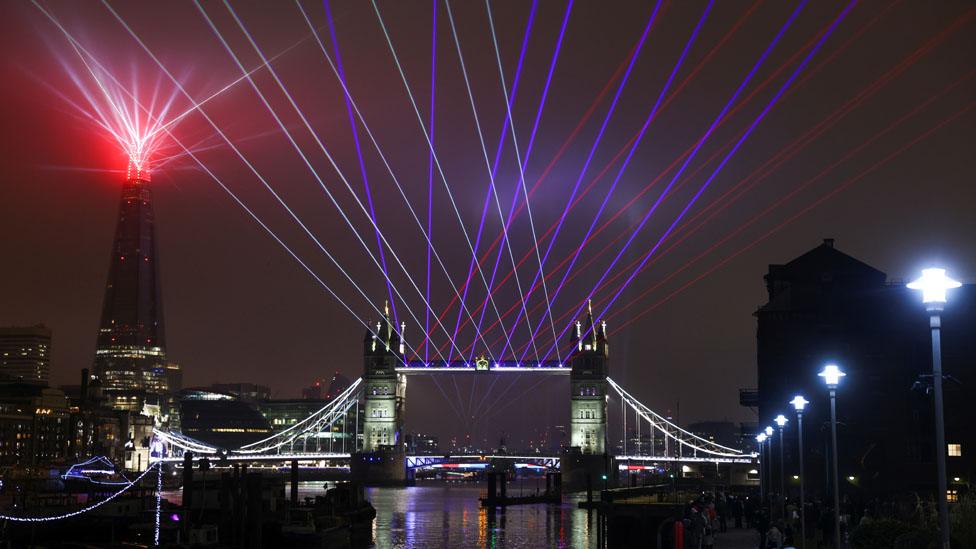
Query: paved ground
737, 539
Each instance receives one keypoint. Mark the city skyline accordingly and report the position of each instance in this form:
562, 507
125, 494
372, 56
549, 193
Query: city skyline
239, 309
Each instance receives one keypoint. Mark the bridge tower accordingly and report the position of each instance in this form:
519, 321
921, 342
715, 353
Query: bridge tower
588, 459
382, 458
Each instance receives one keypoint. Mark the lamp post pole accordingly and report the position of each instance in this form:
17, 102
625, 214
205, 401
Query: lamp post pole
781, 423
935, 321
769, 465
762, 473
832, 376
933, 284
760, 438
836, 472
782, 476
803, 513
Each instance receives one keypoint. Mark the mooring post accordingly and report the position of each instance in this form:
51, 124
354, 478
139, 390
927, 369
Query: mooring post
187, 493
294, 483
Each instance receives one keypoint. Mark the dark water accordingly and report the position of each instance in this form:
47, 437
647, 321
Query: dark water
448, 514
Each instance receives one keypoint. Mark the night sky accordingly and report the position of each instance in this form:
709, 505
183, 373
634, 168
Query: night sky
871, 144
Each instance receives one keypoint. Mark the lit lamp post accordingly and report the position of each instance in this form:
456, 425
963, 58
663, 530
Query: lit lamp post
761, 438
781, 423
832, 374
799, 403
933, 284
769, 463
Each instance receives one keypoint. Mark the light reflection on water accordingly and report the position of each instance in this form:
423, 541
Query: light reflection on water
437, 514
442, 514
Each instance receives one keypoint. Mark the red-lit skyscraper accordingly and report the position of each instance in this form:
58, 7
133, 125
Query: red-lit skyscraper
130, 355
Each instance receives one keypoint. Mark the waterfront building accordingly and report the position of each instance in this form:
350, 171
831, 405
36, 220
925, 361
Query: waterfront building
25, 353
34, 422
221, 419
422, 445
282, 414
826, 306
250, 392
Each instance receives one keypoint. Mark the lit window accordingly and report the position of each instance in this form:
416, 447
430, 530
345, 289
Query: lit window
952, 496
955, 450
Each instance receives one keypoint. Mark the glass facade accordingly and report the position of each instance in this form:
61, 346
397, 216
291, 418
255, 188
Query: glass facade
130, 355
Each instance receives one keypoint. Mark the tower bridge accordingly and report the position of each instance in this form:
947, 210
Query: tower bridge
377, 455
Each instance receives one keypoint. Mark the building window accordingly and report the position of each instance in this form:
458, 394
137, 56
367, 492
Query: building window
955, 450
952, 496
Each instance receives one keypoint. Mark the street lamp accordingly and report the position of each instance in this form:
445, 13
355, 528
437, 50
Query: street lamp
769, 463
761, 438
781, 423
933, 283
832, 374
799, 403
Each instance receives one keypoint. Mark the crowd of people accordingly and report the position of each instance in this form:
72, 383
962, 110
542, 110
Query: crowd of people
777, 524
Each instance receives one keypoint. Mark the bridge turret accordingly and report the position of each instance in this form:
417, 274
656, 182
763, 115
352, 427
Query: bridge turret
588, 459
590, 336
384, 389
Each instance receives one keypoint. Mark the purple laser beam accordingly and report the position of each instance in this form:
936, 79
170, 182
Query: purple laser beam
525, 162
772, 102
728, 156
488, 194
359, 156
596, 141
430, 175
626, 163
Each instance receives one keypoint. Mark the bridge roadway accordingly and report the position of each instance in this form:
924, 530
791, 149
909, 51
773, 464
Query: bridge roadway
427, 460
483, 365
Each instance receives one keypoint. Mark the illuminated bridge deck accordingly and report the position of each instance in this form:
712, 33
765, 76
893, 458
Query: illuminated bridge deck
485, 366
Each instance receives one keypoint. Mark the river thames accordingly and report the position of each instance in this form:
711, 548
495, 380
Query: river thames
448, 514
441, 514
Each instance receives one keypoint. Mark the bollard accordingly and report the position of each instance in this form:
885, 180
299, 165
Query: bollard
226, 514
492, 480
255, 511
294, 483
187, 493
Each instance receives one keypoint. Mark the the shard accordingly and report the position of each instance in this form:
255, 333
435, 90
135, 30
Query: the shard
130, 355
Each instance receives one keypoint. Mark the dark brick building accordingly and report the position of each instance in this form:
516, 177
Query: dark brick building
826, 306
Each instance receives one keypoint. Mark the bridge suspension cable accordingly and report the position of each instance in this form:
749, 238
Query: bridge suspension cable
322, 419
671, 430
184, 442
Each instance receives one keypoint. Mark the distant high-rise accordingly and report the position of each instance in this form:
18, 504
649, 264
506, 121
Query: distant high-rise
317, 390
25, 353
130, 354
